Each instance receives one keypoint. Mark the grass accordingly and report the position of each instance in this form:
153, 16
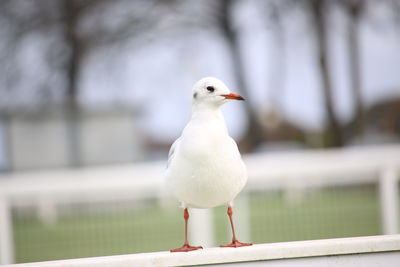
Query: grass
321, 214
326, 214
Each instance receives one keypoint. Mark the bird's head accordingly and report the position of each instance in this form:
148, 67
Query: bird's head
213, 92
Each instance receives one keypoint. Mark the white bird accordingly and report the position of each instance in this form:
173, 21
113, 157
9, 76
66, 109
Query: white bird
205, 168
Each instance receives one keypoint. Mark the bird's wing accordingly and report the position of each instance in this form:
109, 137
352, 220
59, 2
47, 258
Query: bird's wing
172, 151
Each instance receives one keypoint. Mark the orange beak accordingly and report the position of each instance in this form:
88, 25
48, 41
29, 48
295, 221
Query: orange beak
233, 96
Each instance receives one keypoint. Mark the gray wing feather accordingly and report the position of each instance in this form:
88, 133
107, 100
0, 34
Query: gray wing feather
172, 151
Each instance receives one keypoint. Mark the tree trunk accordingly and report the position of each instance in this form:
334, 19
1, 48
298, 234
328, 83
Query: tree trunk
277, 59
71, 15
254, 134
318, 10
354, 9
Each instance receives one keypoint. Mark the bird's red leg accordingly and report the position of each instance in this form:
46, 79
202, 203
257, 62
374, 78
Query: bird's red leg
235, 243
186, 247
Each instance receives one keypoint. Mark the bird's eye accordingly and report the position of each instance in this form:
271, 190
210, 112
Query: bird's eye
210, 89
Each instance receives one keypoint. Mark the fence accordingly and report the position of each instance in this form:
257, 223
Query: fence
291, 172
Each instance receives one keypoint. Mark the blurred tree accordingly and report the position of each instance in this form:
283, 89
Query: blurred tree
278, 55
395, 7
134, 19
22, 21
318, 10
354, 10
72, 12
75, 28
273, 12
225, 22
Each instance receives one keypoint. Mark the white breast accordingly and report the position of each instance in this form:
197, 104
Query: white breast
206, 169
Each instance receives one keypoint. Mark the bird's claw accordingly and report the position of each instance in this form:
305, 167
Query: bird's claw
186, 248
235, 244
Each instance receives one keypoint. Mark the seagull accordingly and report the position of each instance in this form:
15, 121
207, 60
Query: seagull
205, 168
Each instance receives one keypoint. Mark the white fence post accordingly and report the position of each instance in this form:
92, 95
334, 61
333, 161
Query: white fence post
6, 233
47, 210
201, 227
388, 194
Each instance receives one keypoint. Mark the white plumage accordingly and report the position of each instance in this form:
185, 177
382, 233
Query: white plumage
205, 168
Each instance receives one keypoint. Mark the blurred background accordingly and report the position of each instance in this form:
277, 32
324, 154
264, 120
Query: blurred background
94, 92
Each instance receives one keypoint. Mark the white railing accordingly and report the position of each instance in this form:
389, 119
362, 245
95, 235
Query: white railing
288, 171
344, 252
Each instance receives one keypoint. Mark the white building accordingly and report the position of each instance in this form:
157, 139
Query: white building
46, 139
